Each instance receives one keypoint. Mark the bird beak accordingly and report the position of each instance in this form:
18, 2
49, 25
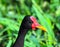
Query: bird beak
41, 27
35, 24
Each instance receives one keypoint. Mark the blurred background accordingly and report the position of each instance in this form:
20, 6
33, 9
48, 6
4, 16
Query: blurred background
47, 13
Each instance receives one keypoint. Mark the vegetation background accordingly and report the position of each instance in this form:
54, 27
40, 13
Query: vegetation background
47, 13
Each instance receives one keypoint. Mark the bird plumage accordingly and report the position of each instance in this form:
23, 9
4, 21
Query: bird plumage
25, 26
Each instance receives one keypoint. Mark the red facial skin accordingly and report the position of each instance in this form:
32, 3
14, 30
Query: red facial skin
35, 23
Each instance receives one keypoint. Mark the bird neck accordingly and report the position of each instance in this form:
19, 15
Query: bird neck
20, 39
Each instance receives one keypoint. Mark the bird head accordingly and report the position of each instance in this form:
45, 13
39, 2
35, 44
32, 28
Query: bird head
30, 22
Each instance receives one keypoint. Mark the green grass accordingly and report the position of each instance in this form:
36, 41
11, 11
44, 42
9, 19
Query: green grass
47, 14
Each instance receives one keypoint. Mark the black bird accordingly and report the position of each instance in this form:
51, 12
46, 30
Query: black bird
29, 22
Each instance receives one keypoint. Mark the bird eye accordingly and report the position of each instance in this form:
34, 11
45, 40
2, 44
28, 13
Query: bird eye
30, 21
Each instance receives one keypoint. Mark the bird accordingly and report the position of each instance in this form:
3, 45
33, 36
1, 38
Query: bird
28, 23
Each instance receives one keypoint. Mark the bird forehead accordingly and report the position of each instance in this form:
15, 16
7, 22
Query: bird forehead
33, 19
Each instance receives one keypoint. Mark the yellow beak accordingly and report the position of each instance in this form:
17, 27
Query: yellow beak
41, 27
